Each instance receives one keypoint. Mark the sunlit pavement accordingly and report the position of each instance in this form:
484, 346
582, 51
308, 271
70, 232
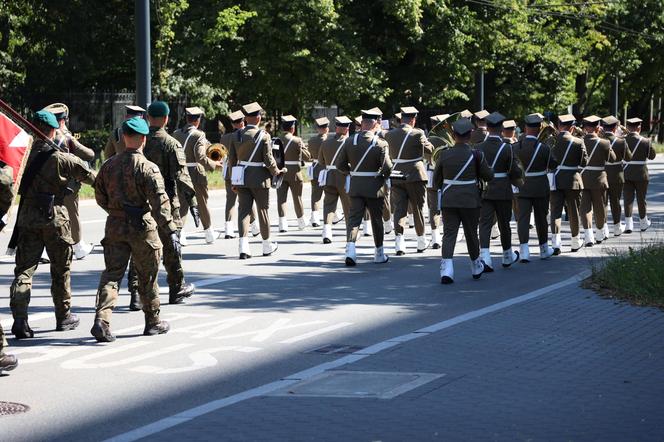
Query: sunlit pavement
261, 330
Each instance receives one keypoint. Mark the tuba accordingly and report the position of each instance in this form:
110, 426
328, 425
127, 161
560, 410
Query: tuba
547, 135
216, 152
441, 135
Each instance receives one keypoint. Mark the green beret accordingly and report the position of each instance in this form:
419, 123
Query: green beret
47, 118
135, 125
158, 109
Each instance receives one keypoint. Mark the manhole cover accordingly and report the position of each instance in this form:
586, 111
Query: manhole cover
7, 408
358, 384
336, 349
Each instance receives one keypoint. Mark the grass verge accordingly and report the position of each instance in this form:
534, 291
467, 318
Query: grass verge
635, 275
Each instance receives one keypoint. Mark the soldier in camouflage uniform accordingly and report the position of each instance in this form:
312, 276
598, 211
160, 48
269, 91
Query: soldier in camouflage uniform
129, 188
43, 221
115, 143
7, 362
168, 155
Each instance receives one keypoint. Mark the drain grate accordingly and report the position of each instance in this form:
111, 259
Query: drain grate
9, 408
336, 349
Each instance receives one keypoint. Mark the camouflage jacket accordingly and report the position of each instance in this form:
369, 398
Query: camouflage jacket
167, 153
130, 179
52, 179
6, 188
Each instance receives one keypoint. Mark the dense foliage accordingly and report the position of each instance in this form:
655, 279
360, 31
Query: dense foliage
292, 55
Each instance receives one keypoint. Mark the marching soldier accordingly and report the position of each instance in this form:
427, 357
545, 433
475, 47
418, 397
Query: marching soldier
408, 145
614, 171
314, 143
365, 158
115, 142
636, 174
570, 155
509, 131
195, 145
253, 166
7, 362
64, 138
533, 196
43, 221
165, 151
457, 174
131, 190
432, 192
595, 184
480, 133
237, 120
333, 180
498, 196
295, 153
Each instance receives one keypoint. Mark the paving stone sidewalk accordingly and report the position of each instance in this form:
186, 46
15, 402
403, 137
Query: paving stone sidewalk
566, 366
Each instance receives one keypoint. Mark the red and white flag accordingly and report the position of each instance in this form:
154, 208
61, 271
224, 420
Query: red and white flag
14, 142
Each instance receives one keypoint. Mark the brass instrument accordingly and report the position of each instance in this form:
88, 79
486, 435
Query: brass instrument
216, 152
441, 135
547, 135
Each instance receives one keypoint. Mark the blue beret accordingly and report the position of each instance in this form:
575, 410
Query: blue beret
47, 118
135, 125
158, 109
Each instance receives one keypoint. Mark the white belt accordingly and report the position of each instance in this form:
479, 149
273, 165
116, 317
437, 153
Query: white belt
192, 164
638, 163
618, 163
500, 175
568, 168
331, 167
369, 174
413, 160
594, 168
251, 163
459, 182
292, 163
532, 174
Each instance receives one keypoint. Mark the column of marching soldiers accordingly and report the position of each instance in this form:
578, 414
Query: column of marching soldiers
150, 182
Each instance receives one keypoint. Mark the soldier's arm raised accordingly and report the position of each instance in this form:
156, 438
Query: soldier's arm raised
75, 168
81, 151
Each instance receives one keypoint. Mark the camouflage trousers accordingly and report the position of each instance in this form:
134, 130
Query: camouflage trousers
29, 248
145, 253
3, 340
172, 264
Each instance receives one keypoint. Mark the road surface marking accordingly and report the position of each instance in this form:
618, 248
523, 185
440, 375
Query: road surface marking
264, 334
316, 333
200, 360
82, 362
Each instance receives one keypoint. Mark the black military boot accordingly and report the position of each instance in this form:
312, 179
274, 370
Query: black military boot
7, 362
158, 328
135, 303
21, 329
185, 292
70, 322
102, 331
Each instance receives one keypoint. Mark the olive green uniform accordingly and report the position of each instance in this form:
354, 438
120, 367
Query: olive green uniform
129, 180
195, 145
408, 146
367, 179
231, 197
636, 173
165, 151
40, 227
460, 195
595, 183
295, 153
335, 180
6, 198
258, 171
615, 175
313, 146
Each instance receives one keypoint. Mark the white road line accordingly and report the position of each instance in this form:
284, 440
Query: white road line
7, 323
218, 404
316, 333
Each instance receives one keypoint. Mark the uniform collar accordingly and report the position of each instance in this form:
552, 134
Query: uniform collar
531, 136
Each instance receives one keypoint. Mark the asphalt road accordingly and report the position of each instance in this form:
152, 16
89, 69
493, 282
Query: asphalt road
249, 323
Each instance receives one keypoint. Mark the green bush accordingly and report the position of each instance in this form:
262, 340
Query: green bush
95, 139
634, 275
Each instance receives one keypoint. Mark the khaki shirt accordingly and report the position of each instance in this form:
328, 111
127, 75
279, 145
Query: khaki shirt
596, 179
226, 140
67, 140
537, 184
614, 171
129, 178
242, 146
504, 165
645, 151
328, 149
376, 164
450, 163
195, 146
569, 179
313, 145
415, 148
296, 154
